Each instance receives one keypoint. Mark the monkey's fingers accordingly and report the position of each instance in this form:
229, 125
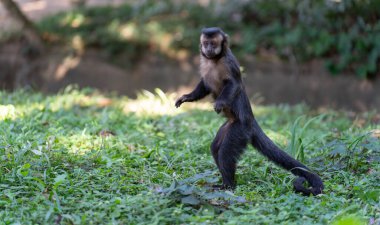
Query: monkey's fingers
179, 102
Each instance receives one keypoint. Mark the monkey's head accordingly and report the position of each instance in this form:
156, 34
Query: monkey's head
213, 42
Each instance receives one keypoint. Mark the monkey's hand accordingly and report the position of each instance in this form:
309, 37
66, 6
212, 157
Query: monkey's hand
219, 106
182, 99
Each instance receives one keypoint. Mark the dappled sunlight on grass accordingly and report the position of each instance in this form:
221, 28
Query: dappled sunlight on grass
80, 144
159, 103
62, 102
7, 112
63, 154
147, 103
277, 137
80, 100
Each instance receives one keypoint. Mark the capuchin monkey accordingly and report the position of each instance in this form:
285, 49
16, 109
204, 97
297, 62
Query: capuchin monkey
220, 77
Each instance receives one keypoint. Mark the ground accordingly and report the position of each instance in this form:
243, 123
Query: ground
82, 157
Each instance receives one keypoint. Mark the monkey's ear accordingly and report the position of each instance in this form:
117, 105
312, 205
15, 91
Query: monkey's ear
226, 40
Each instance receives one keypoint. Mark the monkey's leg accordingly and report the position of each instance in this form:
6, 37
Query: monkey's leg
231, 148
215, 145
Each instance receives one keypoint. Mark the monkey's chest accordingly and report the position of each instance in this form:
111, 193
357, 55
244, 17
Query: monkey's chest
214, 75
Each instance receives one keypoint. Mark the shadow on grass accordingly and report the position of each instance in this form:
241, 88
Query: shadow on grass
89, 153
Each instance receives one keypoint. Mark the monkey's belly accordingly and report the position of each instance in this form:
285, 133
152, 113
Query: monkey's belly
214, 85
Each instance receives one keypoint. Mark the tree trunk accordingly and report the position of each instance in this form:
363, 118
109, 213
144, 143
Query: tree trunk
28, 29
31, 50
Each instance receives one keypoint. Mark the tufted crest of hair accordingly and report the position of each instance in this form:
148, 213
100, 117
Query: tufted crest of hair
211, 31
217, 38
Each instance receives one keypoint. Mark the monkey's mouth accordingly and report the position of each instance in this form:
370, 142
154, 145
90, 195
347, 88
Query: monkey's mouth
210, 55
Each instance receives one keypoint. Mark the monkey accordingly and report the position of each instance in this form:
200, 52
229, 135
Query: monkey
221, 77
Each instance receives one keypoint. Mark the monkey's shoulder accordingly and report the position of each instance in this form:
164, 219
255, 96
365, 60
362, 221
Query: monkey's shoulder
233, 65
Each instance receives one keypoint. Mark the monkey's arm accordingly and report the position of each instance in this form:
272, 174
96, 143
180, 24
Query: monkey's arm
199, 92
229, 91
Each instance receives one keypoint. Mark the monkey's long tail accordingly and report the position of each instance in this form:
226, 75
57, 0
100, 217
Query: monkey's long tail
266, 147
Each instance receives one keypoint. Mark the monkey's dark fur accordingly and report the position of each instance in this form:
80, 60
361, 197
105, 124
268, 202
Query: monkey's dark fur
221, 77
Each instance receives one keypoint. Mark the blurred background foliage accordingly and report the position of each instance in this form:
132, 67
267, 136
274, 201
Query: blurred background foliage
345, 34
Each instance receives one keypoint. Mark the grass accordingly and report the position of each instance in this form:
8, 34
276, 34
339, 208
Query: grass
82, 157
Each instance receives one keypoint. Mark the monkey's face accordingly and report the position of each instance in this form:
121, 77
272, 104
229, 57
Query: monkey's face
211, 46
